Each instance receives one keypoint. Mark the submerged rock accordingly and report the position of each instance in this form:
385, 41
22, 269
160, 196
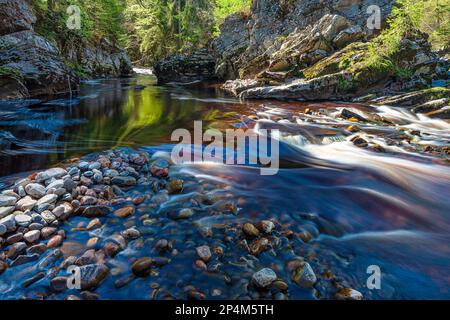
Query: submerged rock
264, 277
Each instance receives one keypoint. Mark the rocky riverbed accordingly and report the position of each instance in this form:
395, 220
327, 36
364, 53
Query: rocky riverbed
137, 218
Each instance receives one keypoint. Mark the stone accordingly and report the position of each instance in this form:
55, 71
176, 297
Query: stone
304, 275
131, 234
265, 226
16, 249
3, 229
349, 294
92, 275
35, 190
142, 266
9, 222
359, 142
3, 267
124, 212
5, 211
182, 214
48, 216
22, 259
55, 241
32, 236
123, 181
37, 277
58, 284
204, 253
63, 211
347, 114
264, 277
48, 199
56, 184
96, 211
175, 186
23, 220
7, 201
26, 203
250, 230
88, 200
14, 238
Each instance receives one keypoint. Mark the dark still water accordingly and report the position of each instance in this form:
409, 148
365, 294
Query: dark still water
106, 114
349, 207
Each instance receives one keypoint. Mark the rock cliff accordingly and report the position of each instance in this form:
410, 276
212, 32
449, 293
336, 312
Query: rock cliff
31, 65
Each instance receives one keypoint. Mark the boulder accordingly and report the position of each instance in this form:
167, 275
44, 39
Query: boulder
200, 66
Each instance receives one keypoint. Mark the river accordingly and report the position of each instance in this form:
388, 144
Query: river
355, 207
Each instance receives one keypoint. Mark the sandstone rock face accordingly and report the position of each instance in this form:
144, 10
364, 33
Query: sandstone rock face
199, 66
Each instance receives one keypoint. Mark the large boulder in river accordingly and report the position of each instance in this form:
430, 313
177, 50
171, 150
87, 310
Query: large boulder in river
198, 66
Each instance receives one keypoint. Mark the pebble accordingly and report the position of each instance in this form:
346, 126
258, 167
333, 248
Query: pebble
88, 200
175, 186
16, 249
349, 294
9, 222
96, 211
14, 238
124, 212
56, 184
3, 266
48, 216
92, 275
32, 236
5, 211
35, 190
26, 203
55, 241
58, 284
131, 234
204, 253
142, 267
304, 275
3, 229
182, 214
264, 277
48, 199
22, 259
33, 279
359, 142
23, 220
124, 181
250, 230
6, 201
265, 226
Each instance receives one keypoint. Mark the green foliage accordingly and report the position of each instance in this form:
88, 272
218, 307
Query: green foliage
99, 19
430, 16
157, 28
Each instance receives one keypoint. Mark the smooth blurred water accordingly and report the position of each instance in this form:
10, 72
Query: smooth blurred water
363, 208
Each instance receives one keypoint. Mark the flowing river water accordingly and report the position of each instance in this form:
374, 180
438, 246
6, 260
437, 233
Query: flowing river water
354, 207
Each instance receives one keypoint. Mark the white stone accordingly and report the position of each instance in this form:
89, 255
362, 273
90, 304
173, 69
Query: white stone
9, 222
264, 277
35, 190
50, 198
32, 236
48, 216
56, 184
5, 211
23, 220
26, 203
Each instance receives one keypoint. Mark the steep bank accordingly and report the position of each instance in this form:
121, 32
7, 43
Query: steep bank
315, 50
31, 65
